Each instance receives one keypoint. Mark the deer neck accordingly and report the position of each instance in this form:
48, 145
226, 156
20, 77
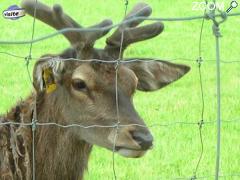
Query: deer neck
59, 153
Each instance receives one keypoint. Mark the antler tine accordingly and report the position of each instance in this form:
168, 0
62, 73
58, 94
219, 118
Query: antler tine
63, 18
139, 10
56, 18
131, 32
92, 36
53, 17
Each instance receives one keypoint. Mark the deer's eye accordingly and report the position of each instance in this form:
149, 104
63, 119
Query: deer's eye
79, 85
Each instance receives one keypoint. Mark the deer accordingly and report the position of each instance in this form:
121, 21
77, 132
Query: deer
68, 91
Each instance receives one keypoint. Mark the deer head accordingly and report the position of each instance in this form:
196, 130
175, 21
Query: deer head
84, 92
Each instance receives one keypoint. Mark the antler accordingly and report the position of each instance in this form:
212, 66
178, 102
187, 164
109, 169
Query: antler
132, 33
56, 18
83, 41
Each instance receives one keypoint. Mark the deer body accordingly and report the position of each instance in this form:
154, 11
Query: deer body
67, 91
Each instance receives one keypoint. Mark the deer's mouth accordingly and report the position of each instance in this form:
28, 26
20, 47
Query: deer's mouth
130, 152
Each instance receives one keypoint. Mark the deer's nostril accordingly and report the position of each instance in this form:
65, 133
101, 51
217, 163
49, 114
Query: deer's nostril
143, 139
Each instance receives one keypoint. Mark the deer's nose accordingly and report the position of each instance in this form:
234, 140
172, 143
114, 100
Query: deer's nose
145, 140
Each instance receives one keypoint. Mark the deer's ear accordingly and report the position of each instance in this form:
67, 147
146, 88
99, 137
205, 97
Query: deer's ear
46, 74
157, 74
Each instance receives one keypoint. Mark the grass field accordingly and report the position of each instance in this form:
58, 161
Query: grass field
177, 147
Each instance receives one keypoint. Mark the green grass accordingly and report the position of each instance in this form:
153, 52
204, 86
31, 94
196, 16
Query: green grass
177, 147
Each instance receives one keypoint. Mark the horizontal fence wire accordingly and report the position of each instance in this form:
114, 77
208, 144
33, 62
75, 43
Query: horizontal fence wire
208, 177
122, 62
164, 124
65, 30
35, 123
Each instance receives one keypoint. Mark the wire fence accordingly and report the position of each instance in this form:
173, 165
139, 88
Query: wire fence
211, 15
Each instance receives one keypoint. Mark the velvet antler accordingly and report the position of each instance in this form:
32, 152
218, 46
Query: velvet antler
132, 33
83, 41
56, 18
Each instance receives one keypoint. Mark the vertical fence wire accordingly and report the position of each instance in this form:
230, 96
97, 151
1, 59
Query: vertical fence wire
201, 122
218, 89
34, 113
216, 32
118, 61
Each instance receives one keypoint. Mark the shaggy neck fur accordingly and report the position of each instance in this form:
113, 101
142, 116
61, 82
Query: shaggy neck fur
59, 155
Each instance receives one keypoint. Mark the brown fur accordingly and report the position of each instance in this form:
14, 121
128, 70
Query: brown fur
15, 143
58, 154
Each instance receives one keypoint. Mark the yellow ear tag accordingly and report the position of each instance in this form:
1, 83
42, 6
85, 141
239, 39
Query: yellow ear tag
49, 80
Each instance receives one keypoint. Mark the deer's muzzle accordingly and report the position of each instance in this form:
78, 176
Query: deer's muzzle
131, 141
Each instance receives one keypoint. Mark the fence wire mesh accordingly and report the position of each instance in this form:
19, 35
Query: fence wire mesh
211, 15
